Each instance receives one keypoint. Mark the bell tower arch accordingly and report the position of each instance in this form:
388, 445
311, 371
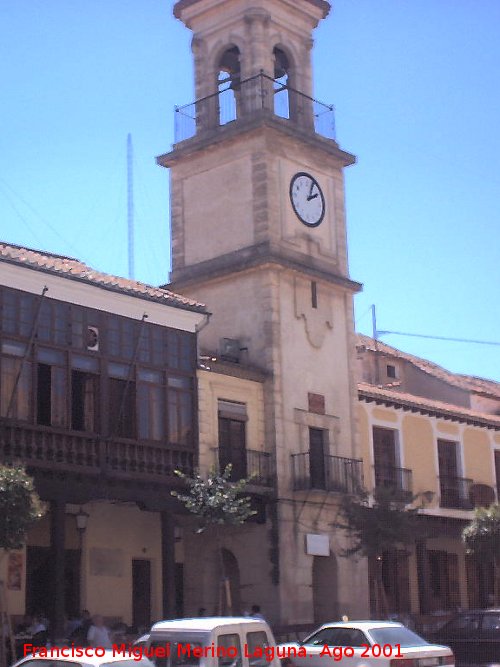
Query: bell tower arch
258, 234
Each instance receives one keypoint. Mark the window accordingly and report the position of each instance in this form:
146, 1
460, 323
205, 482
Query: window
463, 624
385, 457
317, 458
51, 387
152, 345
453, 492
122, 410
231, 650
180, 410
232, 437
18, 312
19, 401
181, 350
391, 371
491, 624
337, 636
53, 322
257, 642
84, 401
121, 335
314, 294
151, 404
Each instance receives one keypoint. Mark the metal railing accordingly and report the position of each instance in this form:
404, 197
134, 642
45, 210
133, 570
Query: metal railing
398, 480
57, 449
255, 464
333, 473
455, 492
247, 98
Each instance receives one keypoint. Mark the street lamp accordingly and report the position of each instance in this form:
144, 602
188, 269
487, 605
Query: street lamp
81, 521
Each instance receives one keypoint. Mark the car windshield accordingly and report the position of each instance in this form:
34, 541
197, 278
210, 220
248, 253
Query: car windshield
396, 635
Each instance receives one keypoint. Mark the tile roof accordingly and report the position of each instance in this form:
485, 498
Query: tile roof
465, 382
369, 392
73, 269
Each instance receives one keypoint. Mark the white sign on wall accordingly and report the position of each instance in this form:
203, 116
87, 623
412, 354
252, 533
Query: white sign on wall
317, 545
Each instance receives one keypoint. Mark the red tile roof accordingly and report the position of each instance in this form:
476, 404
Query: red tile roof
73, 269
369, 392
465, 382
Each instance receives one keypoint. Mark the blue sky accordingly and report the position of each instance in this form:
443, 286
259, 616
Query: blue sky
416, 86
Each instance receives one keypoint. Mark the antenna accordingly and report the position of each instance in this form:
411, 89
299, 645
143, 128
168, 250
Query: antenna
130, 206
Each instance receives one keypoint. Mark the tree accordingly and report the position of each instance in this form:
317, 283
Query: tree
217, 501
377, 528
482, 539
20, 507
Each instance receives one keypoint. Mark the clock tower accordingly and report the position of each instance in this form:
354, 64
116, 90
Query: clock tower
258, 234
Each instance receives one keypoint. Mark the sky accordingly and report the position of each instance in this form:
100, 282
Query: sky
416, 89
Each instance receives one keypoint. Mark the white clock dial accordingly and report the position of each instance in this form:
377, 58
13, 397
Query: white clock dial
307, 199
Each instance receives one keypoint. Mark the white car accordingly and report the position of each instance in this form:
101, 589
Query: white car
365, 644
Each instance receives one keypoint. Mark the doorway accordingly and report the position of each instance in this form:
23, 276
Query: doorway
141, 594
40, 581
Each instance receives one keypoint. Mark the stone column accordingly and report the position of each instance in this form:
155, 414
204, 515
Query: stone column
57, 539
168, 564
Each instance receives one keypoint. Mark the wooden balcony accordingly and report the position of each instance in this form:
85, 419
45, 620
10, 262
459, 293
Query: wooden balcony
48, 448
338, 473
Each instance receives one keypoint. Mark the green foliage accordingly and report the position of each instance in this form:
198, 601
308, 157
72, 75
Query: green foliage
20, 506
216, 500
380, 527
482, 536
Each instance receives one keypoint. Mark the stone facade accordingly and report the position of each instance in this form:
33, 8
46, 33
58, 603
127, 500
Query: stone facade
278, 288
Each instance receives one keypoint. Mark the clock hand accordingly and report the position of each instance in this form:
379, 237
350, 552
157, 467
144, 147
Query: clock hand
312, 197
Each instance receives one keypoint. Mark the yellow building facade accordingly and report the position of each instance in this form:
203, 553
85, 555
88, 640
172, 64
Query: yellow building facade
446, 453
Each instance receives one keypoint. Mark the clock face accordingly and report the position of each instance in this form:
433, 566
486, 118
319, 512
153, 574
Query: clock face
307, 199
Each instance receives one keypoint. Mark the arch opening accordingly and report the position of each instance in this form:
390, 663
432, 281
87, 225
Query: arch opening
229, 84
230, 593
281, 83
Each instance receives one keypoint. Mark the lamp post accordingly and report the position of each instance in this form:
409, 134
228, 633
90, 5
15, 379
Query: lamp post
82, 518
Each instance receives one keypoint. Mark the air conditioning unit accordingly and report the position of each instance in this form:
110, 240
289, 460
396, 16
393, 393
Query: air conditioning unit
93, 339
229, 349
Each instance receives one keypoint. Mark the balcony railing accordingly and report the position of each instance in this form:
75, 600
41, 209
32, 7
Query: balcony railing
398, 480
247, 98
38, 447
333, 473
455, 492
254, 463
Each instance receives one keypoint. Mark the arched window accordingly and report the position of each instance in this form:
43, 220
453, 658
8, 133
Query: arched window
229, 83
281, 83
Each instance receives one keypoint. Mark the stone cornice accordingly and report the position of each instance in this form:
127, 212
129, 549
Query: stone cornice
256, 256
264, 120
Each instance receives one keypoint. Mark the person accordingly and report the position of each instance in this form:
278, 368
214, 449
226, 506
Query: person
256, 613
79, 634
202, 612
37, 625
98, 634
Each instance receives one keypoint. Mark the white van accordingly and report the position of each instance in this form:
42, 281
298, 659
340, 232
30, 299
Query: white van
212, 642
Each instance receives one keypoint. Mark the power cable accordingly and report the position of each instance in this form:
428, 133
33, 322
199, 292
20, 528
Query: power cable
446, 338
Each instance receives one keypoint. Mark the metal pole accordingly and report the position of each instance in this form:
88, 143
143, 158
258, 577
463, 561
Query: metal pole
130, 207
